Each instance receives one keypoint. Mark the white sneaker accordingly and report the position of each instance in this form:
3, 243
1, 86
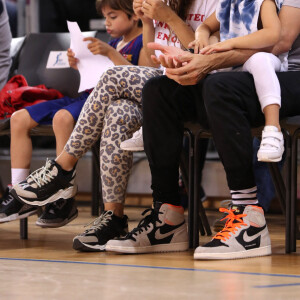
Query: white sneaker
271, 146
244, 235
136, 143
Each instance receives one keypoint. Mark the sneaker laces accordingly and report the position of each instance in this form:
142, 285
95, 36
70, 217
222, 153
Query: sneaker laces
42, 175
100, 222
233, 223
7, 198
144, 224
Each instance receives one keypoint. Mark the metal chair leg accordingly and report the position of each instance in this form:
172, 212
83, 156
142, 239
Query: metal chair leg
24, 229
190, 136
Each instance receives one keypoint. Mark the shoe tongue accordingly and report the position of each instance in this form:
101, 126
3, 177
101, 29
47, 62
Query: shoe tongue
270, 128
238, 209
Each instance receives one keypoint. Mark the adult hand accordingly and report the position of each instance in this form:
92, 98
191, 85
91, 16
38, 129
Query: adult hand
190, 68
96, 46
73, 61
157, 10
169, 52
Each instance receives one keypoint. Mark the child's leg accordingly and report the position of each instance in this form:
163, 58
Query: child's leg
263, 66
63, 124
20, 146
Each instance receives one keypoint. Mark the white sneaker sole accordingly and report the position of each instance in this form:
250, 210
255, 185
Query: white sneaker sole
15, 217
132, 149
262, 251
267, 159
173, 247
65, 194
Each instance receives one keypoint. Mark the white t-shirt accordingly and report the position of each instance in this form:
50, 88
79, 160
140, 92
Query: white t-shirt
199, 11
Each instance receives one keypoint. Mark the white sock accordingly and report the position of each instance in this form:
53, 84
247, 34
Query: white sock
18, 175
244, 197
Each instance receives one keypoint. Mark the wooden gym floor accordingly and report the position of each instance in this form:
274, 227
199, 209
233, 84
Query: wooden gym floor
46, 267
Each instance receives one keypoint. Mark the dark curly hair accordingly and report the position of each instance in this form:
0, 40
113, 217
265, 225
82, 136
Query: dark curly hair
124, 5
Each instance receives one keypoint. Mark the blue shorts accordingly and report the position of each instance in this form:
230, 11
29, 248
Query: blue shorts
44, 112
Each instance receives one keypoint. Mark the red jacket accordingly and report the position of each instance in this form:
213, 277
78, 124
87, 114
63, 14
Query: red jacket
16, 94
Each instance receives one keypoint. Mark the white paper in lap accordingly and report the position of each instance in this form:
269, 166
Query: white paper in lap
90, 66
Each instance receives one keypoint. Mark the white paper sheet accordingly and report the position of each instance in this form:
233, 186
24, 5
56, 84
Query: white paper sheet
90, 66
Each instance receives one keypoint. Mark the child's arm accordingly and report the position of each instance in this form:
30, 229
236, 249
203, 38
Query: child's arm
160, 11
203, 33
148, 35
263, 38
96, 46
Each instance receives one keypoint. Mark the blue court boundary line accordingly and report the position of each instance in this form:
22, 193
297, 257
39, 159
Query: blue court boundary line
156, 267
276, 285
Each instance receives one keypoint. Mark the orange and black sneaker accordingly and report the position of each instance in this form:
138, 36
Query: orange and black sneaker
245, 235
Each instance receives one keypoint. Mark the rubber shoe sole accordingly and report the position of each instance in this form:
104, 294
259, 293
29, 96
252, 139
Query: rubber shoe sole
262, 251
79, 246
173, 247
14, 217
56, 225
65, 194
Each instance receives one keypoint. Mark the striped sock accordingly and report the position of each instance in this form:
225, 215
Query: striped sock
244, 197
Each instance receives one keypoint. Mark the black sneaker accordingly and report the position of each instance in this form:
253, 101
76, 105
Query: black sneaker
163, 230
106, 227
11, 209
46, 185
58, 213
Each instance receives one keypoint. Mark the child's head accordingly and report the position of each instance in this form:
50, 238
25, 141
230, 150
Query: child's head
119, 16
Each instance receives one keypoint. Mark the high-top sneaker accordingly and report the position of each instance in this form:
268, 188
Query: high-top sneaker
106, 227
11, 209
245, 235
163, 230
46, 185
58, 214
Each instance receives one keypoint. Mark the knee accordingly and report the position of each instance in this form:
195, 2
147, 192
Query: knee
258, 62
63, 119
20, 121
153, 91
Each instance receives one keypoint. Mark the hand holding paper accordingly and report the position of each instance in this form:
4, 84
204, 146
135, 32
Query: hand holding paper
90, 66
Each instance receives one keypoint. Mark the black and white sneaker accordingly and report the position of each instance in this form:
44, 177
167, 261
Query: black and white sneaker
11, 209
106, 227
58, 213
46, 185
245, 235
163, 230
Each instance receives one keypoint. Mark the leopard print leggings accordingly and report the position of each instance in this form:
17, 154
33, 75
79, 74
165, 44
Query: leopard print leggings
113, 113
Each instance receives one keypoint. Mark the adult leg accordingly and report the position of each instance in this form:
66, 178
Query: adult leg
122, 118
166, 106
118, 82
233, 108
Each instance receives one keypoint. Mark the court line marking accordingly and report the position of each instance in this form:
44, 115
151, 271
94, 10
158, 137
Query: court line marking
276, 285
154, 267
